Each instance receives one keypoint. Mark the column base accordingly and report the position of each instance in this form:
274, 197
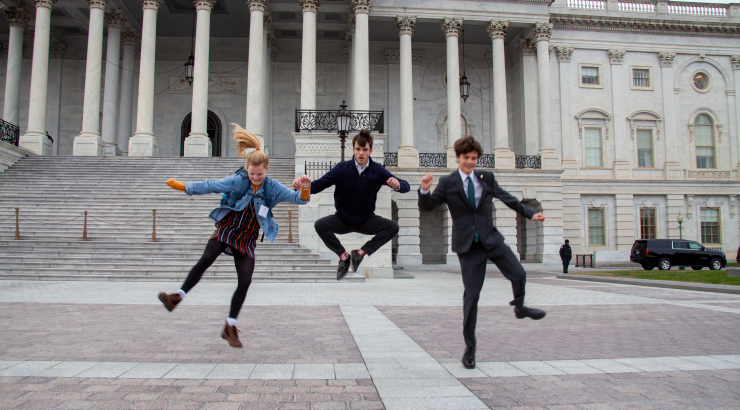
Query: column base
570, 168
673, 171
39, 144
622, 169
451, 158
142, 145
504, 158
550, 159
88, 145
198, 145
408, 157
111, 149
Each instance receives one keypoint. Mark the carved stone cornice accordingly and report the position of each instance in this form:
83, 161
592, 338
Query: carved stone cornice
351, 20
616, 55
151, 4
98, 4
417, 55
267, 22
542, 31
392, 55
527, 47
451, 27
45, 3
361, 6
564, 53
405, 25
56, 50
130, 38
651, 26
735, 61
114, 19
666, 58
257, 5
309, 6
497, 29
204, 4
17, 17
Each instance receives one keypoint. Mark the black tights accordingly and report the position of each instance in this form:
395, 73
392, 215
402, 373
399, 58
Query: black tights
244, 269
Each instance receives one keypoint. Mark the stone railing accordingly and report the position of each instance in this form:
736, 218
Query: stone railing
636, 7
10, 154
587, 4
677, 9
698, 10
433, 160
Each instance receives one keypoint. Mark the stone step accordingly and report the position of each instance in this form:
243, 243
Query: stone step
261, 259
170, 266
82, 270
350, 278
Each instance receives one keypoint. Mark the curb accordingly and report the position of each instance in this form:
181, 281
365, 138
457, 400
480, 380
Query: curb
702, 287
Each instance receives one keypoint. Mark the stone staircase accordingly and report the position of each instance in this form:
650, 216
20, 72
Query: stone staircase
119, 194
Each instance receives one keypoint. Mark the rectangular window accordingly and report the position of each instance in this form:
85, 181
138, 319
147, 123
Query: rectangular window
593, 147
704, 146
590, 75
645, 148
710, 231
641, 78
647, 223
596, 226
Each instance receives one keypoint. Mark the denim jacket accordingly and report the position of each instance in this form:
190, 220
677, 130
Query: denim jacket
238, 193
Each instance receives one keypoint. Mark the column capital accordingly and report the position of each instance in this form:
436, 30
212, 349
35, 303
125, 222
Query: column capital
309, 6
666, 58
564, 53
616, 55
17, 17
130, 38
452, 27
257, 5
151, 4
417, 55
98, 4
114, 19
267, 22
57, 50
392, 55
527, 47
45, 3
497, 29
206, 5
351, 20
735, 61
542, 31
405, 25
361, 6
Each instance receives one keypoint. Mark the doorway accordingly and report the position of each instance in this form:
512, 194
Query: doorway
213, 128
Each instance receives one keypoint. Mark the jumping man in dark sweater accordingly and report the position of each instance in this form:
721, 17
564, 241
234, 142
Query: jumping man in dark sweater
357, 184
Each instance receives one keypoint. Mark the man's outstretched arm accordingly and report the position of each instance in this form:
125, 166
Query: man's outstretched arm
428, 201
515, 204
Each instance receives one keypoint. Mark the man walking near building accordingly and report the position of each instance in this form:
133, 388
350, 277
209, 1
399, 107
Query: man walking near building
565, 255
357, 183
469, 196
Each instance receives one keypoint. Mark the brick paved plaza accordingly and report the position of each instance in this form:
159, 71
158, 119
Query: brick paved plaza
382, 344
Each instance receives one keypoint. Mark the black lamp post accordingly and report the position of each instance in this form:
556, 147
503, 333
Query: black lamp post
343, 123
190, 65
464, 84
680, 232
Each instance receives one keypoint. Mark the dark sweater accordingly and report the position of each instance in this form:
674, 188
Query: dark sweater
355, 194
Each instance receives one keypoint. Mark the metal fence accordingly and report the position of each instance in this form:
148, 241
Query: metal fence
316, 170
9, 133
486, 161
391, 159
528, 161
326, 120
433, 160
584, 261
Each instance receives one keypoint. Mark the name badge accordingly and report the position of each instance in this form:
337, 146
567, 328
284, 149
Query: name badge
263, 211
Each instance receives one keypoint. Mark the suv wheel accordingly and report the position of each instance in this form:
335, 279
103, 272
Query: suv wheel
697, 267
664, 264
715, 264
647, 267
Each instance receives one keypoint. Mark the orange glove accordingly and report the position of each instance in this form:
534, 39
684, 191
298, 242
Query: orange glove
175, 184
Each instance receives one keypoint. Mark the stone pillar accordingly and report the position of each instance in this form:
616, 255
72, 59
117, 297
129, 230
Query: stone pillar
143, 142
505, 158
35, 138
114, 20
736, 147
393, 118
361, 44
569, 162
674, 205
408, 155
451, 27
256, 68
54, 93
129, 38
622, 163
673, 166
550, 157
451, 257
17, 19
625, 215
267, 44
310, 9
351, 23
197, 144
409, 254
89, 142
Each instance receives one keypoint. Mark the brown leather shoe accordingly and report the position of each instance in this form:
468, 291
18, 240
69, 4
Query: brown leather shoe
170, 301
230, 335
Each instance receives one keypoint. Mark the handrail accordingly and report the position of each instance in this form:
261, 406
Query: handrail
9, 133
326, 120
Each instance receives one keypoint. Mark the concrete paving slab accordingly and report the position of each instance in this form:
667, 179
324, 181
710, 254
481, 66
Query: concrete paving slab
447, 391
457, 403
231, 371
460, 372
535, 368
4, 364
27, 368
573, 367
609, 366
344, 371
66, 369
408, 403
733, 358
108, 369
148, 371
190, 371
499, 369
314, 371
401, 391
711, 362
678, 363
646, 365
273, 371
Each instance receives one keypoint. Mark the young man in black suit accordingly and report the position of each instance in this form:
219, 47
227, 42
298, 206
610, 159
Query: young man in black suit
357, 183
469, 196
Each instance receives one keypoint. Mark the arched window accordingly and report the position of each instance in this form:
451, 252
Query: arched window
704, 131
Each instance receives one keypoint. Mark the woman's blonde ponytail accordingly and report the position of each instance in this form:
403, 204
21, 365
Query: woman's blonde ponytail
245, 140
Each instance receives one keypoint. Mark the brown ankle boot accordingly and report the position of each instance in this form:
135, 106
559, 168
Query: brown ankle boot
230, 335
170, 301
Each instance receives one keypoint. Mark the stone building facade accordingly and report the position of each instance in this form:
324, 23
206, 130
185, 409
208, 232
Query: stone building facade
612, 117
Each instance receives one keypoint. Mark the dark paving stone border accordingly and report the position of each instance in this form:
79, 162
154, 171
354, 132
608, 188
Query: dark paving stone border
703, 287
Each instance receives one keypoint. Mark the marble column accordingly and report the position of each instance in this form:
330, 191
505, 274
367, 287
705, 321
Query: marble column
255, 68
393, 103
114, 20
361, 44
351, 23
548, 141
143, 143
736, 147
673, 166
451, 27
17, 19
54, 93
569, 162
308, 54
408, 155
35, 137
129, 38
89, 142
622, 151
197, 144
505, 158
266, 52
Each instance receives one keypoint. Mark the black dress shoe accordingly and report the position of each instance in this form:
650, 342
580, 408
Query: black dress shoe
468, 359
523, 311
342, 268
356, 260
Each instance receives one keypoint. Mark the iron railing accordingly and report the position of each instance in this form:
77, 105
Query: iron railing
316, 170
486, 161
585, 261
326, 120
391, 159
528, 161
433, 160
9, 133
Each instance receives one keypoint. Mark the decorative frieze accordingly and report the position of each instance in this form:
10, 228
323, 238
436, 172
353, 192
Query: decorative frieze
735, 61
616, 55
151, 4
640, 25
405, 25
361, 6
497, 29
392, 55
114, 19
564, 53
417, 56
710, 174
542, 31
666, 58
527, 47
216, 85
56, 50
17, 17
451, 26
130, 38
45, 3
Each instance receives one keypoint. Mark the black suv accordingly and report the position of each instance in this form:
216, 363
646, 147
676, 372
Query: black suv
665, 253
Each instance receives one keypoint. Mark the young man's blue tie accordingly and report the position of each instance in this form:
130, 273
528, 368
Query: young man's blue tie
471, 199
